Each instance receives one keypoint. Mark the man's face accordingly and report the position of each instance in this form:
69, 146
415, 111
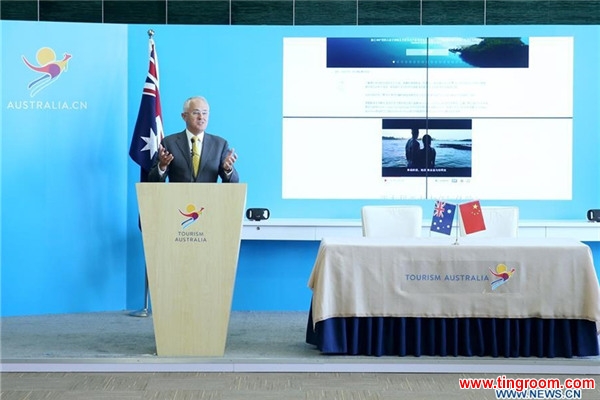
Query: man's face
196, 116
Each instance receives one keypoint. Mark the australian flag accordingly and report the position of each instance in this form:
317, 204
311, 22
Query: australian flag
443, 216
148, 132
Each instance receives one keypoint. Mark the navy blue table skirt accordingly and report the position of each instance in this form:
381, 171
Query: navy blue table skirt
495, 337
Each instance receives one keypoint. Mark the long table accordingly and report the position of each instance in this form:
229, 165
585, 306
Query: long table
428, 296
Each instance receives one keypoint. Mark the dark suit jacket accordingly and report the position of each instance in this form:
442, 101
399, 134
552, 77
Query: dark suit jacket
213, 153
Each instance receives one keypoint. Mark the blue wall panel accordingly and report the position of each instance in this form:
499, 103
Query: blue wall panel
273, 275
70, 237
63, 171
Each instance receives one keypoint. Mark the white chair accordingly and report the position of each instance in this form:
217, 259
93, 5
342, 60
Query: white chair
392, 221
500, 222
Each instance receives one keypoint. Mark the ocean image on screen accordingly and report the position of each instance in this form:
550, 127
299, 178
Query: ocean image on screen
451, 155
436, 52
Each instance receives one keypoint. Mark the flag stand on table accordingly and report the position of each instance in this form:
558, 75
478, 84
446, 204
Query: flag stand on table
147, 136
456, 242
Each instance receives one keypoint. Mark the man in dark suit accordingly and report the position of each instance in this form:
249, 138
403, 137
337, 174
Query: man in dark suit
412, 149
180, 151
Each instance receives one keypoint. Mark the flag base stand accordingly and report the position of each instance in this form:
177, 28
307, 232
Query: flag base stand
143, 313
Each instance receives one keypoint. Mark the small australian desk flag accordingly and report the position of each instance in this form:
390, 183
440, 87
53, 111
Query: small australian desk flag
443, 216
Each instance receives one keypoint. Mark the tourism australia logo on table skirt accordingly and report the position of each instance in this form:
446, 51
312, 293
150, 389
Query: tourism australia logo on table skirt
466, 278
447, 277
41, 75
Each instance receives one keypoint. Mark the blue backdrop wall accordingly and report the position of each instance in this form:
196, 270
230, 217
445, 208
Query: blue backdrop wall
64, 198
70, 237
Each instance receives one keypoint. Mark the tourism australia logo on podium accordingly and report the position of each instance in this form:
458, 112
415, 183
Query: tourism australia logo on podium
190, 217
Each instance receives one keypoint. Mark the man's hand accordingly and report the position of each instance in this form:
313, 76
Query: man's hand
164, 158
229, 161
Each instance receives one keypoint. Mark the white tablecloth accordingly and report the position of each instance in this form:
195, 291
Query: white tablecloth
431, 277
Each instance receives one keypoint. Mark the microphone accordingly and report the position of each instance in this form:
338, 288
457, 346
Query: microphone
195, 158
197, 147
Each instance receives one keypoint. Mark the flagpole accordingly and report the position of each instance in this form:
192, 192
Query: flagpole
457, 227
145, 311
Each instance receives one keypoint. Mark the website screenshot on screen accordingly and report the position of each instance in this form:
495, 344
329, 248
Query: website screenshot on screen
490, 115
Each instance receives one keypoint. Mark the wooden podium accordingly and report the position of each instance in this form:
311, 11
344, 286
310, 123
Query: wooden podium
191, 234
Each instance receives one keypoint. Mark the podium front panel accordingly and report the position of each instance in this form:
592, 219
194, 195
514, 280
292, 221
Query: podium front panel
191, 234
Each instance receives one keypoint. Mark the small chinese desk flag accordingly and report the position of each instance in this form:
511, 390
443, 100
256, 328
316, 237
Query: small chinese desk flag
471, 217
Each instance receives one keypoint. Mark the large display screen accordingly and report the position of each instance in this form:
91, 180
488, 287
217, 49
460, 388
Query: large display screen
492, 118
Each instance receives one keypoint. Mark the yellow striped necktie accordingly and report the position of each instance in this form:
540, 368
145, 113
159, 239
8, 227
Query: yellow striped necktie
195, 156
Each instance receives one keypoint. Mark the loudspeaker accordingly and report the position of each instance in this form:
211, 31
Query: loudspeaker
593, 215
257, 214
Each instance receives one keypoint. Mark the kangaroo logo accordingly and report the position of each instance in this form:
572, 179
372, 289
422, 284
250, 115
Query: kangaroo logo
48, 66
503, 274
191, 215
